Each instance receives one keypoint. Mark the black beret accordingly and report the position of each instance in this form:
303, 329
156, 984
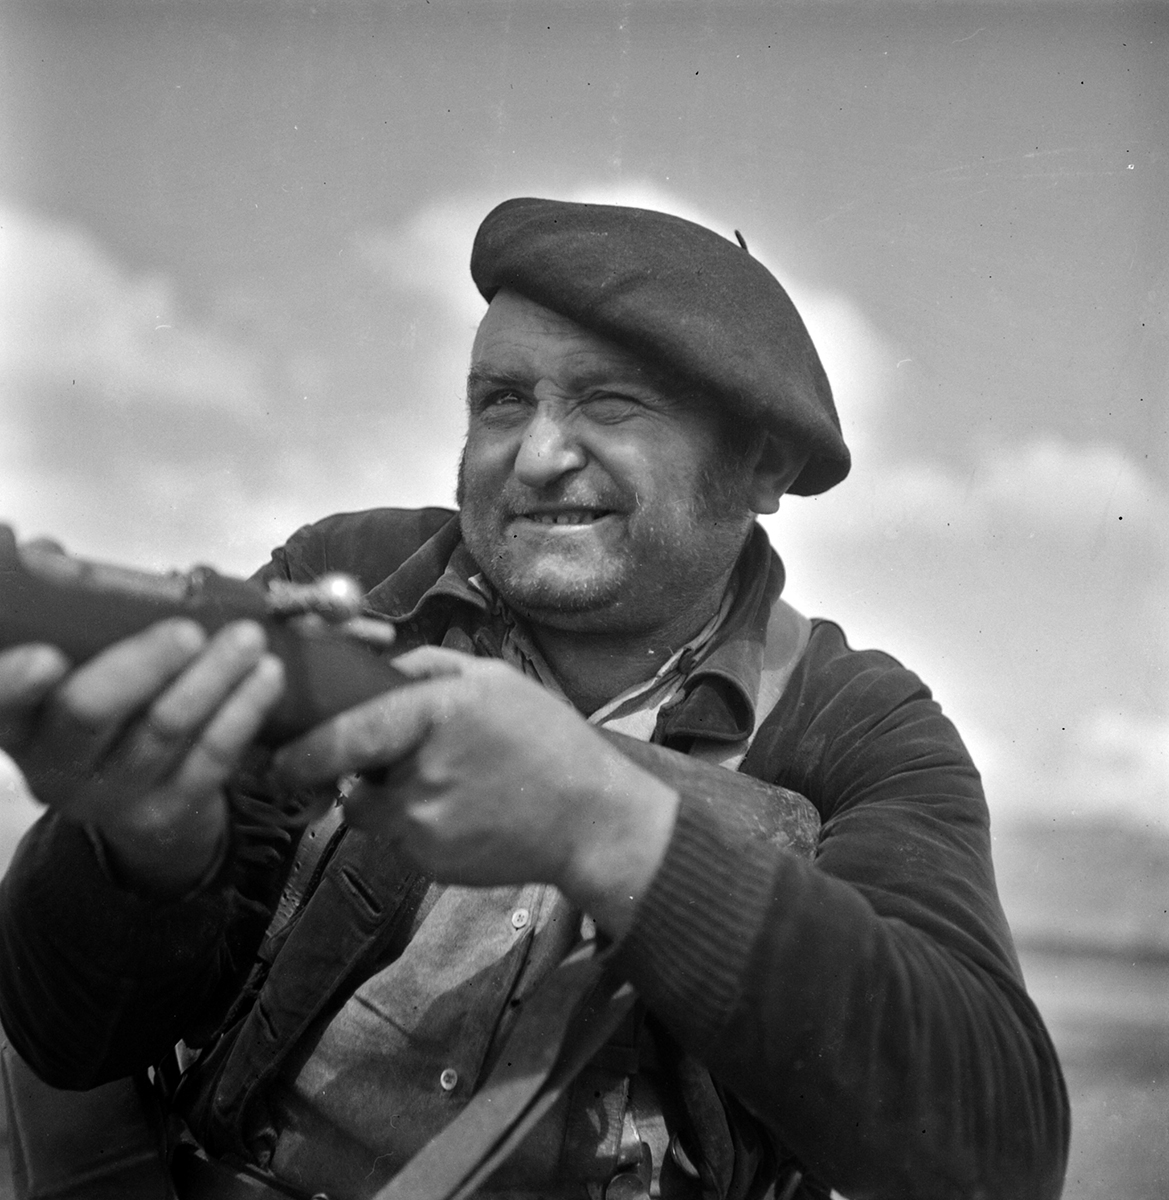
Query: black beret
680, 296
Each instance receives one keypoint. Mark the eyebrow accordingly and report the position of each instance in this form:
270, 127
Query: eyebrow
481, 375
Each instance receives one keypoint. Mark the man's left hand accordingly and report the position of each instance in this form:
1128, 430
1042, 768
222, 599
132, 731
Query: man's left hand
486, 778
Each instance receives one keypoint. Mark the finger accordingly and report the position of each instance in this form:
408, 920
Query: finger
375, 734
433, 662
86, 713
27, 675
115, 684
217, 752
175, 718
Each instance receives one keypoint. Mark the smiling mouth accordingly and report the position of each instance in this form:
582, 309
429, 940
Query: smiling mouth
570, 516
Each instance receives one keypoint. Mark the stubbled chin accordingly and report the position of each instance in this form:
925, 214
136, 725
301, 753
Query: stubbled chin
567, 577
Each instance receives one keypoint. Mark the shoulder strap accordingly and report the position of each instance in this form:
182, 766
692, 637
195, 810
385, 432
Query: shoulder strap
565, 1022
309, 854
788, 633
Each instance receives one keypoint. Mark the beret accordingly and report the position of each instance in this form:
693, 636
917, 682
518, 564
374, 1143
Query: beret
680, 296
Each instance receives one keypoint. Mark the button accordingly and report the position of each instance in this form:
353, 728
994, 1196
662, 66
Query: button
263, 1147
520, 918
626, 1185
448, 1079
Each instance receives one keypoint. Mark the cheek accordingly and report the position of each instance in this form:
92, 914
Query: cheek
485, 462
667, 479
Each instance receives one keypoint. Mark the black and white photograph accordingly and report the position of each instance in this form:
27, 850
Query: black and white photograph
584, 599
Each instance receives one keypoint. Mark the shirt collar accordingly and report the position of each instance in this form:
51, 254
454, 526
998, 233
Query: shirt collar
436, 575
718, 698
718, 701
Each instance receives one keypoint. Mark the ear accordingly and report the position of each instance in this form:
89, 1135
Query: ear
775, 469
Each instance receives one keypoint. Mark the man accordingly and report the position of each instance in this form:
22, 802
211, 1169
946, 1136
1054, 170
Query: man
640, 388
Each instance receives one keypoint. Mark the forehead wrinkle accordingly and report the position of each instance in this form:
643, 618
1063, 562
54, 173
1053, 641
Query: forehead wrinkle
521, 342
480, 374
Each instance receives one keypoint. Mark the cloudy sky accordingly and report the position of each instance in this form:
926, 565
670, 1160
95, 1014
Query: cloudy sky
234, 297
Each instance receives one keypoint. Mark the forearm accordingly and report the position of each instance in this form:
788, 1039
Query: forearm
97, 980
890, 1063
633, 801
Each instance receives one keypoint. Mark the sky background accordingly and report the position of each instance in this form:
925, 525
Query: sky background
234, 297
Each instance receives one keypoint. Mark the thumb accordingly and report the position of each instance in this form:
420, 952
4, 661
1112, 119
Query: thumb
433, 662
378, 733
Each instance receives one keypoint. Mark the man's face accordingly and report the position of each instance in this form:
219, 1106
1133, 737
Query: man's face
590, 498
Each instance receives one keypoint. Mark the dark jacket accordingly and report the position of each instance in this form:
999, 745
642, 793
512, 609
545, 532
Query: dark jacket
867, 1009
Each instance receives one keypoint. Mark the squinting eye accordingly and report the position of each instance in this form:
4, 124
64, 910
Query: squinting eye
502, 399
611, 408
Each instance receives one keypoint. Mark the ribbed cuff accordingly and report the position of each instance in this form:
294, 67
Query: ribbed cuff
694, 930
213, 876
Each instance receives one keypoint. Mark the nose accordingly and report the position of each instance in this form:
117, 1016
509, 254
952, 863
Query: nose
549, 447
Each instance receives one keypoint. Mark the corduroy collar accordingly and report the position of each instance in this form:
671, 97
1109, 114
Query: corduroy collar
718, 699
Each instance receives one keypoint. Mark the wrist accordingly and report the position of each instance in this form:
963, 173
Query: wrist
623, 829
167, 854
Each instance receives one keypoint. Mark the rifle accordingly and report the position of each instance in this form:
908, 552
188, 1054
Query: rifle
334, 657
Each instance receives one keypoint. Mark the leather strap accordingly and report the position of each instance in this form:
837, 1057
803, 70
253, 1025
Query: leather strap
309, 852
559, 1029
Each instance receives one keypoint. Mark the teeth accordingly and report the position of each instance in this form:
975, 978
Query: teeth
564, 518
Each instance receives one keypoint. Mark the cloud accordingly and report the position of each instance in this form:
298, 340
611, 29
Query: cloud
69, 313
1093, 493
428, 255
1119, 762
137, 428
127, 426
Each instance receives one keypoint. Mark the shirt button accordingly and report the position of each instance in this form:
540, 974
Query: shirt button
448, 1079
520, 918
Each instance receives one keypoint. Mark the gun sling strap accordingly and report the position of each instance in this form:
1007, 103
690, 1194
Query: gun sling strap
561, 1027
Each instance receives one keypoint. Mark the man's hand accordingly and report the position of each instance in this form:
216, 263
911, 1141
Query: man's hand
489, 779
139, 741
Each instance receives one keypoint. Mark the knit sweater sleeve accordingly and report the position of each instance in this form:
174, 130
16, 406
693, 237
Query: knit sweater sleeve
868, 1007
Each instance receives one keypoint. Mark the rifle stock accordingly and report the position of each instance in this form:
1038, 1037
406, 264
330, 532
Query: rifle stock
83, 607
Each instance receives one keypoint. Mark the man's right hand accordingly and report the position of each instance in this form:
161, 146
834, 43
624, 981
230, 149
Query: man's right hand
138, 741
